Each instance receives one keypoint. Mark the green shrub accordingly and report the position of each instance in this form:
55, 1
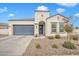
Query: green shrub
54, 46
50, 37
57, 36
69, 45
38, 45
75, 37
36, 35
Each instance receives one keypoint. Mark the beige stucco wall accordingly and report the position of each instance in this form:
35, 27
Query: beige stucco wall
36, 29
48, 25
39, 18
11, 23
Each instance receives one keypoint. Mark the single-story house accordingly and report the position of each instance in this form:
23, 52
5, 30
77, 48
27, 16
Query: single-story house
4, 29
41, 24
3, 26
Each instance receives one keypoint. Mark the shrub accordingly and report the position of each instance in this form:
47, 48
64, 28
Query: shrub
50, 37
36, 35
54, 46
57, 36
75, 37
69, 45
38, 45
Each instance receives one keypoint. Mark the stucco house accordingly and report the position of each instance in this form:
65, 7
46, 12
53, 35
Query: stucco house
3, 26
41, 24
3, 29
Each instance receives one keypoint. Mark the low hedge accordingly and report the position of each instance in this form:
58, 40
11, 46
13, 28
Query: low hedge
50, 37
57, 36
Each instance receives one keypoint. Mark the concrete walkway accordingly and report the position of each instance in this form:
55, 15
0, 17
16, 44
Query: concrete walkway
14, 46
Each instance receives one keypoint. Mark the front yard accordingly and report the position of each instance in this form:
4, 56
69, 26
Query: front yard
49, 47
1, 35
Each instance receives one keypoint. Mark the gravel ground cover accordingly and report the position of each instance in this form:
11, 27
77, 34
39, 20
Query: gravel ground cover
47, 50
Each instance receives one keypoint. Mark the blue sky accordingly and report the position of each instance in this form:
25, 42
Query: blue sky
26, 10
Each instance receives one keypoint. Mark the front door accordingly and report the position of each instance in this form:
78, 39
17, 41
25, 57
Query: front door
41, 29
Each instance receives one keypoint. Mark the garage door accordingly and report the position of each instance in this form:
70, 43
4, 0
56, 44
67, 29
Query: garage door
23, 29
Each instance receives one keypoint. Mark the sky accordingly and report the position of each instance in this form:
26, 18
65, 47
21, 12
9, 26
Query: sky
26, 10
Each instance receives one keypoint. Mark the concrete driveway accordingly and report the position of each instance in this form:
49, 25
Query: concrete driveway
14, 45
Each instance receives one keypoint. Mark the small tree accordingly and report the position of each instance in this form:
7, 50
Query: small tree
68, 28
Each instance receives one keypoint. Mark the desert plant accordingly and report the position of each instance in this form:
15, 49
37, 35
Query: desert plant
75, 37
54, 46
50, 37
68, 28
57, 36
36, 35
69, 45
38, 45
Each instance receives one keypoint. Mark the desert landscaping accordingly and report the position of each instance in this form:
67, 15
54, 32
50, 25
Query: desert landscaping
44, 46
35, 29
52, 46
1, 35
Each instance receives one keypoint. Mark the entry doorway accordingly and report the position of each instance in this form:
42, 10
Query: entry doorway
42, 28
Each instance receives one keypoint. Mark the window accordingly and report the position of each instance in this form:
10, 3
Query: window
53, 26
61, 27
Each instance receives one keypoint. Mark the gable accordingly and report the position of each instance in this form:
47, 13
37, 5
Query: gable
57, 18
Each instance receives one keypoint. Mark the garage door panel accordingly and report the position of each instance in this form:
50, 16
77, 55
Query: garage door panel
23, 29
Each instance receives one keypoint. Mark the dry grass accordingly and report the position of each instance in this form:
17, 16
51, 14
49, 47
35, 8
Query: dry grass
47, 50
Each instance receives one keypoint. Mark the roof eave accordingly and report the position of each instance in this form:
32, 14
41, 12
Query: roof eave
58, 14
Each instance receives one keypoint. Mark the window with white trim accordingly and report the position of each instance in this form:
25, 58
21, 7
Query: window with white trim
54, 27
61, 27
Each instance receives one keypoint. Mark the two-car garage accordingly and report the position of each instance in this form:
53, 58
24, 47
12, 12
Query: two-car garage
23, 29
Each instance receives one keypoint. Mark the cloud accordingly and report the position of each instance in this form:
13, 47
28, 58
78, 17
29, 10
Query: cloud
42, 8
4, 9
60, 10
11, 15
68, 4
77, 14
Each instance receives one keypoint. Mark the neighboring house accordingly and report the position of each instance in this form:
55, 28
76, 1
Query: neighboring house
4, 29
41, 24
3, 26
